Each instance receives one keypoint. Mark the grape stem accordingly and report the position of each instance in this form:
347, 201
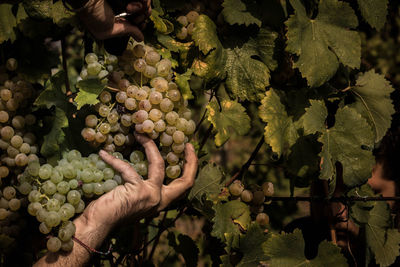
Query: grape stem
113, 89
247, 165
160, 231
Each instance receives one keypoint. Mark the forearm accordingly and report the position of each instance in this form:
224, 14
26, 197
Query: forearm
86, 232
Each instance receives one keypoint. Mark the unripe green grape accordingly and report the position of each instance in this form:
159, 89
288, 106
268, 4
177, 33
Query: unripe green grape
190, 127
139, 65
152, 58
109, 185
80, 207
34, 196
172, 158
136, 156
34, 207
44, 229
121, 97
141, 168
150, 72
56, 176
73, 197
41, 215
104, 110
174, 95
170, 130
178, 137
182, 33
94, 68
163, 68
268, 189
108, 173
63, 187
246, 196
53, 244
49, 188
73, 183
126, 120
178, 148
91, 121
61, 198
66, 212
74, 155
87, 188
98, 188
159, 126
166, 105
14, 204
236, 189
182, 20
181, 124
7, 133
69, 171
131, 91
192, 16
262, 219
53, 204
171, 117
53, 219
258, 197
91, 58
173, 171
166, 140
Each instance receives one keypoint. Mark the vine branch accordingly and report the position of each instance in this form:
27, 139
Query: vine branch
65, 67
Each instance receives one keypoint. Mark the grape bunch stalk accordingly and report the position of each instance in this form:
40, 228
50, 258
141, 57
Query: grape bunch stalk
140, 96
254, 196
60, 192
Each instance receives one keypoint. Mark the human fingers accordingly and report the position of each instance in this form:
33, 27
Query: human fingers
156, 162
138, 19
127, 171
178, 186
122, 28
134, 7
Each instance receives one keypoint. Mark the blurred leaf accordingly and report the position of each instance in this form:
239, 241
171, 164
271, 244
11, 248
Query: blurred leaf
231, 117
265, 43
7, 23
182, 80
373, 101
21, 14
280, 132
235, 12
56, 136
186, 246
287, 250
230, 218
88, 92
38, 9
374, 12
251, 246
323, 42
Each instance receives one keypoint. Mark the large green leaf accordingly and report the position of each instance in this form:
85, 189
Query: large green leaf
323, 42
374, 12
344, 143
7, 23
53, 94
56, 136
373, 101
280, 132
247, 78
314, 118
208, 184
251, 246
231, 118
287, 250
265, 42
235, 12
88, 93
205, 34
230, 219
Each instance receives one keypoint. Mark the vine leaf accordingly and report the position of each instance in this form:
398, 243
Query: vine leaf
251, 247
182, 80
375, 217
265, 43
208, 184
186, 246
56, 136
205, 34
235, 12
89, 91
162, 25
373, 101
316, 42
7, 23
374, 12
287, 250
280, 132
53, 95
231, 118
247, 78
172, 44
230, 219
46, 9
343, 142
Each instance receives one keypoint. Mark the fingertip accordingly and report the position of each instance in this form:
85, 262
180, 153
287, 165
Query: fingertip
141, 138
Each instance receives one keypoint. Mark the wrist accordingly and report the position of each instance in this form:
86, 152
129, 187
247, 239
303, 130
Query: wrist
90, 232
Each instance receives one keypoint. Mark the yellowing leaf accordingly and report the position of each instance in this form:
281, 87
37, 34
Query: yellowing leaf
280, 132
232, 117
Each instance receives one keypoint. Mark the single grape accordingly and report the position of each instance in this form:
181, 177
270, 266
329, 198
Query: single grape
4, 116
182, 33
94, 68
139, 50
139, 65
121, 97
170, 129
171, 117
30, 119
181, 124
66, 212
268, 189
150, 72
104, 110
63, 187
126, 120
88, 134
6, 133
192, 16
98, 188
159, 126
140, 116
236, 189
178, 137
87, 188
44, 229
246, 196
9, 192
109, 185
182, 20
152, 58
91, 58
18, 122
262, 219
56, 176
91, 121
172, 158
100, 138
166, 140
53, 204
73, 197
67, 246
174, 95
190, 28
141, 94
173, 171
14, 204
155, 97
130, 103
108, 173
53, 244
49, 188
25, 148
141, 168
160, 84
178, 148
34, 207
34, 196
21, 159
53, 219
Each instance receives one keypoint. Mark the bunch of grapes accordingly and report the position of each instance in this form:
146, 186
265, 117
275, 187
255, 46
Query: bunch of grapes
17, 143
60, 192
142, 97
187, 25
255, 197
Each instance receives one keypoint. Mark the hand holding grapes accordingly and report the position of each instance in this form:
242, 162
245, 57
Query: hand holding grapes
135, 199
99, 18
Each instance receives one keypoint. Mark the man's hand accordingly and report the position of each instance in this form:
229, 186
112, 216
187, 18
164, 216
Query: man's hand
139, 197
99, 19
134, 199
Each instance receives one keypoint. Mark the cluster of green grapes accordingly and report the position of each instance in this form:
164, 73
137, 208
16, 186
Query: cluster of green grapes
58, 193
142, 96
17, 143
255, 197
187, 22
